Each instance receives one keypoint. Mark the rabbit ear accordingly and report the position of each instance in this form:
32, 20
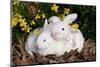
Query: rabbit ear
45, 24
70, 18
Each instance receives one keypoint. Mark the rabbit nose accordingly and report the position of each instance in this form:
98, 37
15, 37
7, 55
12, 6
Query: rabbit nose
37, 47
55, 34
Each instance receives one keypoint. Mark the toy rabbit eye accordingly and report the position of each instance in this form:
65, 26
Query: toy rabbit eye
63, 29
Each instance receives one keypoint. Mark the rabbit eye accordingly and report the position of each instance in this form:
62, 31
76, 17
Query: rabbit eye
49, 22
44, 40
62, 28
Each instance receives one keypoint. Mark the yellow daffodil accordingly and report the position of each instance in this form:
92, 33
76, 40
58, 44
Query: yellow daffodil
33, 22
75, 27
43, 16
14, 22
28, 29
54, 8
23, 28
17, 15
37, 16
66, 11
22, 22
15, 19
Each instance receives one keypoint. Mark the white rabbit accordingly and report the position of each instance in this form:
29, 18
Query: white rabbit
63, 31
53, 19
30, 42
74, 41
29, 45
78, 40
45, 44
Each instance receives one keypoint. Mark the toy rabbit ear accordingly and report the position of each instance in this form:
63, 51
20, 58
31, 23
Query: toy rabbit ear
70, 18
45, 24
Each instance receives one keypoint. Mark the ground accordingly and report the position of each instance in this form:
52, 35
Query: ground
88, 53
